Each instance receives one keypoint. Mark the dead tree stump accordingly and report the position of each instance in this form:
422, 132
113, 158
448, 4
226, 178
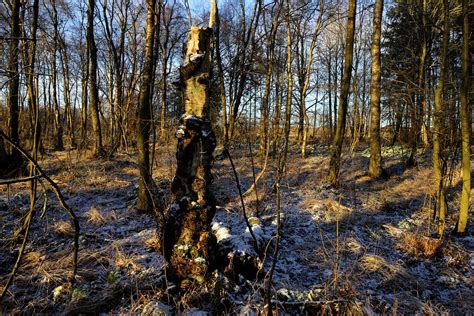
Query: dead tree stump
189, 245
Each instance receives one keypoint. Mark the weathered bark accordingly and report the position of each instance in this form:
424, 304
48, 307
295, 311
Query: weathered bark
334, 165
33, 95
375, 162
189, 244
220, 71
30, 56
14, 80
69, 115
93, 89
58, 145
84, 99
330, 133
422, 77
437, 126
165, 55
145, 186
465, 124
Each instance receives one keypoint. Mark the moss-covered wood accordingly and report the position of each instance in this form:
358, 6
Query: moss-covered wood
189, 245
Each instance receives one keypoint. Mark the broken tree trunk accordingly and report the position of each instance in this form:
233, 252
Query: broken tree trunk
189, 245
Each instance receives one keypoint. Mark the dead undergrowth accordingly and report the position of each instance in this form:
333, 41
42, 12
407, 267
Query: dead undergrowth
366, 247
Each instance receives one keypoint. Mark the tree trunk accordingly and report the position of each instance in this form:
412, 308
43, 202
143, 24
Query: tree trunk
336, 150
58, 145
144, 202
375, 162
422, 77
30, 54
93, 89
67, 91
189, 244
438, 131
330, 133
264, 106
14, 81
465, 124
84, 100
220, 71
306, 79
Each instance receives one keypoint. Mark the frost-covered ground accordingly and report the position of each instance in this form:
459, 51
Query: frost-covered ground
366, 245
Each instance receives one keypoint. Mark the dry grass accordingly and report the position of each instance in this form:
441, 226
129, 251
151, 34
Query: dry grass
95, 217
388, 271
419, 246
153, 243
63, 228
33, 258
124, 261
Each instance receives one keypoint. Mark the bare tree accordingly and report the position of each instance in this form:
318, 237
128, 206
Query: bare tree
438, 130
375, 162
335, 163
144, 201
465, 124
14, 81
98, 150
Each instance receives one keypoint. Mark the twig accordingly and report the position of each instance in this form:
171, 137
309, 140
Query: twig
277, 243
305, 303
61, 199
12, 181
254, 178
27, 225
253, 186
161, 235
257, 250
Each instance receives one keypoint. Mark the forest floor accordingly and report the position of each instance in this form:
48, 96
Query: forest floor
364, 248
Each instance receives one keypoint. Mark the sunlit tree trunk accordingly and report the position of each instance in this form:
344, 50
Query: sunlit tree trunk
58, 145
465, 123
98, 150
144, 201
164, 66
438, 130
335, 163
375, 162
422, 77
190, 247
63, 54
84, 99
220, 72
